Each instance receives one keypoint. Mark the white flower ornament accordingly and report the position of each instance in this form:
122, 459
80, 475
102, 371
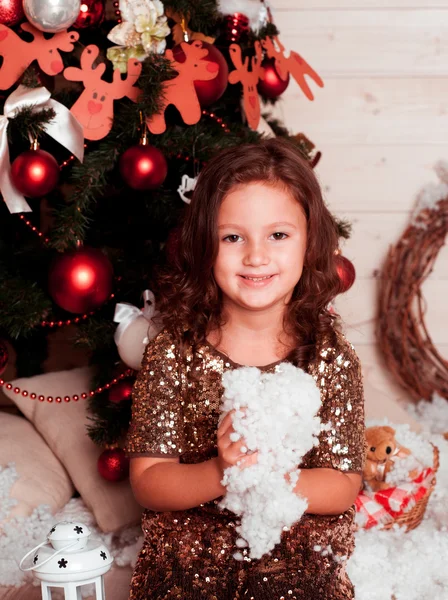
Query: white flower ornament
142, 32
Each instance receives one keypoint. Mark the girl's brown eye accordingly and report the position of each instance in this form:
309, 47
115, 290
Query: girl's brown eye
372, 449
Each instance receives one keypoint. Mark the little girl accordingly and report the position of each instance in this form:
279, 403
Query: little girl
252, 285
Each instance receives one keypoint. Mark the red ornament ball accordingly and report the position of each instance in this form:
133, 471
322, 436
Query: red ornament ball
209, 91
35, 173
272, 85
81, 281
346, 272
234, 27
121, 391
143, 167
11, 12
113, 465
4, 356
91, 14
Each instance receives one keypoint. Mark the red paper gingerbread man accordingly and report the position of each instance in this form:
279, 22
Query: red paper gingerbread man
94, 109
249, 81
294, 64
180, 91
18, 54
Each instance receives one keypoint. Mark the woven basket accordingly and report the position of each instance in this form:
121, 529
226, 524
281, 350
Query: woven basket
414, 517
411, 519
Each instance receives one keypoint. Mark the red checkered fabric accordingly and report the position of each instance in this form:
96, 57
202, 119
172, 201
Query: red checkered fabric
384, 506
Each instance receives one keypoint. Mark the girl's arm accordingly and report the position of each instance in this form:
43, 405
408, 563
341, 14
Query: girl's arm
163, 484
328, 491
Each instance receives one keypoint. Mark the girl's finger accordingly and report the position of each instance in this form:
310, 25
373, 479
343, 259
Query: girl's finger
225, 424
248, 460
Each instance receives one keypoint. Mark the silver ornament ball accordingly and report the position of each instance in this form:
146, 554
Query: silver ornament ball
52, 15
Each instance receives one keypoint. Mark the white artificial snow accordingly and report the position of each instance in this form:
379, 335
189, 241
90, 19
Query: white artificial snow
441, 168
410, 566
254, 10
413, 565
282, 431
431, 194
18, 535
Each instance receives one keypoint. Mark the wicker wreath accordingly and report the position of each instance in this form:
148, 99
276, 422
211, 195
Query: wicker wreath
403, 338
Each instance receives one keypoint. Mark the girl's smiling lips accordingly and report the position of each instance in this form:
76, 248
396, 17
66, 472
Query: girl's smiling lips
257, 280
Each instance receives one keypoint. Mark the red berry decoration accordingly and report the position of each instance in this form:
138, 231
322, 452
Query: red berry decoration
3, 356
113, 465
35, 173
346, 272
272, 85
11, 12
143, 167
81, 281
121, 391
91, 14
210, 91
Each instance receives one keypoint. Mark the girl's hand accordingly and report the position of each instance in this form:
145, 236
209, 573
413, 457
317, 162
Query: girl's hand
229, 453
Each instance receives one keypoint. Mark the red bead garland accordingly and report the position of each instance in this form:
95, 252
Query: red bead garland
75, 397
218, 120
117, 11
75, 320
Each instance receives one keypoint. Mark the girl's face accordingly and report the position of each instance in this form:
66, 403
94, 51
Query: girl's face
262, 243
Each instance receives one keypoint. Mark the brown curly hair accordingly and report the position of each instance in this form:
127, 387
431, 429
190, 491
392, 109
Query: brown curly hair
189, 299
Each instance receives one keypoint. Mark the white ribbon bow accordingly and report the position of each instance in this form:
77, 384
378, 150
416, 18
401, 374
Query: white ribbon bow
126, 313
64, 128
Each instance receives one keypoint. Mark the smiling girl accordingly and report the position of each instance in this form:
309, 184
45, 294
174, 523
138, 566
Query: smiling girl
255, 275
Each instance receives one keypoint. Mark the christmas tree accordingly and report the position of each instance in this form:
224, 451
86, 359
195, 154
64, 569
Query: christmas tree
122, 106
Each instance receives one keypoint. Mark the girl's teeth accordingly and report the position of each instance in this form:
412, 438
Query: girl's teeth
258, 278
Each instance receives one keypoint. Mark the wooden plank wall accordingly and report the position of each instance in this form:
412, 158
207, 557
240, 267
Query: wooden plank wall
381, 122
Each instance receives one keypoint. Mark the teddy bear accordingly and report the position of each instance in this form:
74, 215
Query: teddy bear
382, 449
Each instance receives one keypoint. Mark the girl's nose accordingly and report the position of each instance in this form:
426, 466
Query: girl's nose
256, 256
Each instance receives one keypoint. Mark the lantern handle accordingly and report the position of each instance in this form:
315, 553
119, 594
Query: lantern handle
34, 567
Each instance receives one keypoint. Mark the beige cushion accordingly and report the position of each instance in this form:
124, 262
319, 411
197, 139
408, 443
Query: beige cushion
41, 477
63, 426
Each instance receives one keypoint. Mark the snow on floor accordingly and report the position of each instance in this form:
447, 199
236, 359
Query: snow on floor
413, 565
408, 566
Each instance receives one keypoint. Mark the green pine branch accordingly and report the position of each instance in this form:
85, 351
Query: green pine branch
201, 15
28, 123
23, 305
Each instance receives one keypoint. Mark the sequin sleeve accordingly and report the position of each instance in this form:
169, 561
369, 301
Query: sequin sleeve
339, 377
156, 427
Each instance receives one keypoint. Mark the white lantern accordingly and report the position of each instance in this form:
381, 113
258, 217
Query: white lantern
69, 559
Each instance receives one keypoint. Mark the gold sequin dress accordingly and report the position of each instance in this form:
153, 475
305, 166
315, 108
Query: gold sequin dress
187, 555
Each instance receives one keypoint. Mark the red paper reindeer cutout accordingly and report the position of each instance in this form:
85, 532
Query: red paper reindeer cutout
94, 109
293, 64
249, 81
18, 54
180, 91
